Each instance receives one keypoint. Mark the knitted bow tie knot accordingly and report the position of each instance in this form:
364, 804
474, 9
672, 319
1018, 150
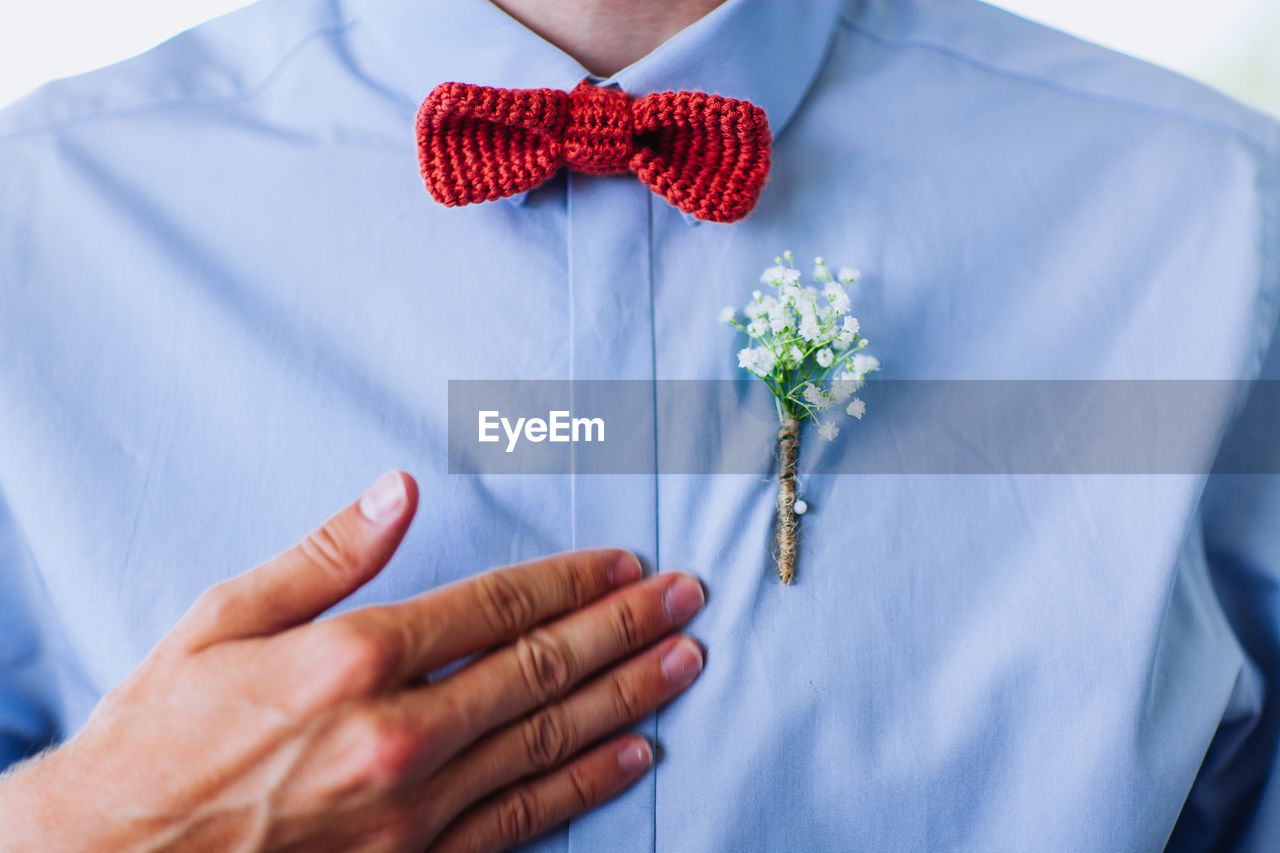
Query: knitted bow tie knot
599, 138
708, 155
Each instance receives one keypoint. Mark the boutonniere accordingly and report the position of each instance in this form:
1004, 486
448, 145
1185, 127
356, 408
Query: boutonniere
805, 346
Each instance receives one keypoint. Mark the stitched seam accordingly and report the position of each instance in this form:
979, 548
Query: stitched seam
1054, 86
657, 482
1268, 330
246, 94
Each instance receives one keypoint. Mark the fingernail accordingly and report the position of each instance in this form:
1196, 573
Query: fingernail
625, 569
682, 662
384, 499
635, 757
683, 599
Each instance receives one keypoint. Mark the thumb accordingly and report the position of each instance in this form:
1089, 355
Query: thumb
299, 584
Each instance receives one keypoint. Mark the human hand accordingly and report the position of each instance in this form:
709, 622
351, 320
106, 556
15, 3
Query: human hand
254, 726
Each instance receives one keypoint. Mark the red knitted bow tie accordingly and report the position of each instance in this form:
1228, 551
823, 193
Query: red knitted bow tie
705, 154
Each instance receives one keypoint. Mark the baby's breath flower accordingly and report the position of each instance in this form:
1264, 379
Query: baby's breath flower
864, 364
772, 275
845, 387
796, 344
848, 331
800, 334
780, 319
837, 296
757, 359
810, 329
791, 294
814, 397
841, 391
779, 275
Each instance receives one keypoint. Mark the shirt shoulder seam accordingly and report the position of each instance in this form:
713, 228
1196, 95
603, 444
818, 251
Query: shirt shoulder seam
242, 94
1272, 148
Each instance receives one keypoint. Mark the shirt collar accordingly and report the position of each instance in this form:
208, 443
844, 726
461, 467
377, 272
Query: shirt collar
764, 51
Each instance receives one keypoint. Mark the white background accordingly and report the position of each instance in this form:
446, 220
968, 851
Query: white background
1231, 44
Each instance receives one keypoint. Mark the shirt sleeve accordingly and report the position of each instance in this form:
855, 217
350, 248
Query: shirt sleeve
28, 658
1234, 803
32, 649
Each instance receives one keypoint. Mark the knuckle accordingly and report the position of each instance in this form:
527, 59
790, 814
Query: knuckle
545, 667
548, 740
364, 650
628, 626
575, 588
586, 788
327, 549
354, 656
627, 704
216, 603
386, 749
508, 606
518, 815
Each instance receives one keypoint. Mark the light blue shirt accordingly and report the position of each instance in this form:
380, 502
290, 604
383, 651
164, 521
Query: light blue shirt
227, 303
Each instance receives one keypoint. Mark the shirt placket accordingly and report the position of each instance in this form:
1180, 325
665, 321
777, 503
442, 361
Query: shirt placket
611, 338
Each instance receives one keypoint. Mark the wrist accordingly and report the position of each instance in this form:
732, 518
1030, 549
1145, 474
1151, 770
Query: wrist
38, 812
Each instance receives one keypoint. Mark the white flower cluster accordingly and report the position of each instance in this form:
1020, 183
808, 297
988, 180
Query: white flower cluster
800, 337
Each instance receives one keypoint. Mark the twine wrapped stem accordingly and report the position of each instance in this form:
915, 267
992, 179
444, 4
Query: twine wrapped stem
785, 540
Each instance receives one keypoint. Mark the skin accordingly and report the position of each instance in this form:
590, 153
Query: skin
256, 726
606, 36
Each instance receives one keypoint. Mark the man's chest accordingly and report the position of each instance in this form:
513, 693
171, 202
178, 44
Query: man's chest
1036, 642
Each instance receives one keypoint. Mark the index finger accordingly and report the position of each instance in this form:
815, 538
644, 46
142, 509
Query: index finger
467, 616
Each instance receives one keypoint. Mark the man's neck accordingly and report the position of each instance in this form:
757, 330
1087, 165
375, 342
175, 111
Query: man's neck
606, 36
